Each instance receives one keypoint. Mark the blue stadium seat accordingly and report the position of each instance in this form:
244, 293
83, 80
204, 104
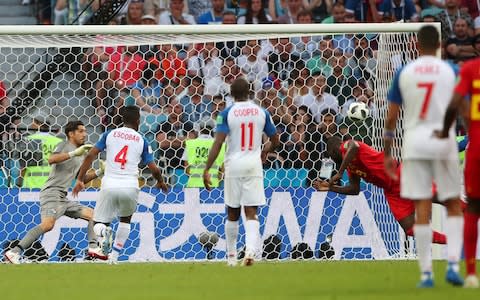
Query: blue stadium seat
285, 177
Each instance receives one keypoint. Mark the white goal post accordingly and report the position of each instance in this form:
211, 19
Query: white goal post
56, 74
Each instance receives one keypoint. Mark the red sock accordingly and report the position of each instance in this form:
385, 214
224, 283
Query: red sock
438, 238
470, 235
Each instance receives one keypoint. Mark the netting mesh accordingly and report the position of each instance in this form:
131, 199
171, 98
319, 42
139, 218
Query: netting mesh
307, 83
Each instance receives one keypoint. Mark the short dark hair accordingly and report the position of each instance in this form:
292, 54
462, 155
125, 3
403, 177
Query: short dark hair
240, 89
72, 126
130, 114
428, 38
333, 142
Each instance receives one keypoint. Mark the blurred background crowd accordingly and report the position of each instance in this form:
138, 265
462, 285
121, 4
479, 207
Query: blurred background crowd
306, 83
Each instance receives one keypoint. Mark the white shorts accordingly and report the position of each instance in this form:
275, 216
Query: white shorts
418, 175
244, 191
114, 203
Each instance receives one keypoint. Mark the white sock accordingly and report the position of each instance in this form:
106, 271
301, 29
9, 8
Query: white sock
99, 229
252, 231
121, 236
61, 16
454, 233
231, 234
423, 238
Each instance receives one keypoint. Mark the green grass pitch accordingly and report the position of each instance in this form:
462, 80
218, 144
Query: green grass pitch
285, 280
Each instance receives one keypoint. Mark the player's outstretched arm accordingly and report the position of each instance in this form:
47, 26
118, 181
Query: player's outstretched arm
353, 187
158, 176
56, 158
212, 156
86, 165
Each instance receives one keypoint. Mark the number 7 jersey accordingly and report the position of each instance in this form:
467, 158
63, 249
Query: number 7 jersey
424, 88
125, 148
244, 123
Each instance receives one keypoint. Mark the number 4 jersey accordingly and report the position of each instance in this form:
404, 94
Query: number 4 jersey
244, 123
424, 87
125, 148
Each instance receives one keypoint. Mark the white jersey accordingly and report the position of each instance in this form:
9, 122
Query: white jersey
125, 148
425, 87
244, 123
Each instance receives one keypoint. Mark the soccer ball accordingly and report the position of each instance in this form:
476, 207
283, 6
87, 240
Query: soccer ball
358, 111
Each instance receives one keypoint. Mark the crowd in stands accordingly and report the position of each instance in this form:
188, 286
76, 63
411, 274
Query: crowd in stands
306, 83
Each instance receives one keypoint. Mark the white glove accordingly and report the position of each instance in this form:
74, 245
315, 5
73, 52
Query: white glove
101, 171
80, 150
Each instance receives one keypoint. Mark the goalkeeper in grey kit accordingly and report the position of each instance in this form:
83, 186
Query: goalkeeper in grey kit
65, 160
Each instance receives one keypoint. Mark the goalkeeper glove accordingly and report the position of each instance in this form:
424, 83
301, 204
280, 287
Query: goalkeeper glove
80, 150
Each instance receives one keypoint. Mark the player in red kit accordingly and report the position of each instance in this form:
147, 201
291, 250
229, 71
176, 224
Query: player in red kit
469, 84
363, 162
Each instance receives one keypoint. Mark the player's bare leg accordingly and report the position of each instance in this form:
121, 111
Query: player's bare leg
454, 230
407, 224
121, 236
231, 234
252, 232
423, 238
93, 248
470, 236
14, 255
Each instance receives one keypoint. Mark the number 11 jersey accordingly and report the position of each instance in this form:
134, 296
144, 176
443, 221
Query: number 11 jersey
424, 87
125, 148
244, 124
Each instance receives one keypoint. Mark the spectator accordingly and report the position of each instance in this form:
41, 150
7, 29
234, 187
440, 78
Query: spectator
67, 12
277, 8
124, 69
230, 48
253, 66
320, 9
156, 7
147, 92
134, 13
449, 16
220, 85
295, 138
282, 61
317, 100
39, 146
340, 83
364, 11
327, 127
400, 10
4, 104
214, 15
175, 15
293, 8
198, 7
477, 25
459, 47
319, 63
299, 86
172, 66
255, 14
149, 20
171, 137
338, 14
195, 105
363, 61
470, 7
305, 46
206, 64
269, 98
